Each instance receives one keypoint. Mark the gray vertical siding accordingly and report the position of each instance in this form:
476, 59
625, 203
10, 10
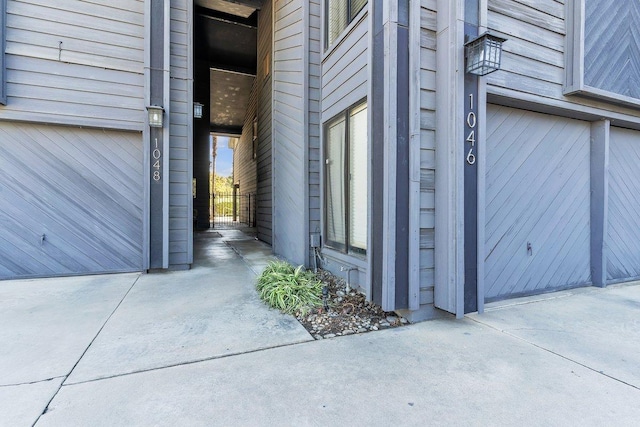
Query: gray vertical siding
180, 134
290, 151
428, 24
537, 192
623, 240
264, 159
71, 201
83, 66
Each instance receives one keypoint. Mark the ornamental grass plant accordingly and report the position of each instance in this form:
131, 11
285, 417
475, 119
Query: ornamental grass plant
293, 290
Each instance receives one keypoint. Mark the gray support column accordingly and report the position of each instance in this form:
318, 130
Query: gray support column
390, 142
470, 157
599, 200
450, 103
157, 167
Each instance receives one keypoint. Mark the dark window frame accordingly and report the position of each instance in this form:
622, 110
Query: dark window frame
351, 15
3, 65
345, 115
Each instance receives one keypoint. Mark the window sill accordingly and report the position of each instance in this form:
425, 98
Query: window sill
357, 260
347, 31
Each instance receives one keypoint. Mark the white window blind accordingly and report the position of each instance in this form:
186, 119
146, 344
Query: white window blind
337, 19
356, 6
358, 178
335, 184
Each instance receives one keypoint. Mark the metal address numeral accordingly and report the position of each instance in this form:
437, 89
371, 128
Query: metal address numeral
157, 155
472, 121
471, 158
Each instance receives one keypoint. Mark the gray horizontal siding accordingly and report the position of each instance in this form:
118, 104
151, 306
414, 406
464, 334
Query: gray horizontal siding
289, 132
623, 240
80, 189
244, 164
345, 73
315, 76
75, 62
533, 63
264, 212
537, 192
428, 25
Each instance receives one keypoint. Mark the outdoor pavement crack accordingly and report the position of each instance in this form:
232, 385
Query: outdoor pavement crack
190, 362
555, 353
32, 382
86, 349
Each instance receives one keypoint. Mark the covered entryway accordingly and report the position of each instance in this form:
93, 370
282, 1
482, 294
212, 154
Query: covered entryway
232, 69
537, 232
623, 256
71, 201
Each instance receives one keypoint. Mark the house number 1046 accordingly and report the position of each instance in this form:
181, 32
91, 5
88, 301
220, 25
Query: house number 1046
471, 138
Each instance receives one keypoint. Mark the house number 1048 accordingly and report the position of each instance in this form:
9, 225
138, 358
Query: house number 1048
471, 138
157, 158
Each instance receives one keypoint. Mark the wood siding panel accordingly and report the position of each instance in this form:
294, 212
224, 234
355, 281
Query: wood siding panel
181, 139
315, 77
623, 256
533, 60
612, 46
244, 164
290, 147
345, 72
428, 27
75, 62
537, 192
71, 201
264, 155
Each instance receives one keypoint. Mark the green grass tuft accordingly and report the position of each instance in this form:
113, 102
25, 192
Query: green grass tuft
290, 289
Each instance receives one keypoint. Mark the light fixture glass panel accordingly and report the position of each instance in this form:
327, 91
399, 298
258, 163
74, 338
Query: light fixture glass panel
155, 116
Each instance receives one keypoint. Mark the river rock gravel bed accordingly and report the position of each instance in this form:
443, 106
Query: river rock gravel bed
349, 312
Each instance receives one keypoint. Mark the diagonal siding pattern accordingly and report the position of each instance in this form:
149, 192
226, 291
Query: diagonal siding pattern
538, 191
623, 256
81, 189
612, 46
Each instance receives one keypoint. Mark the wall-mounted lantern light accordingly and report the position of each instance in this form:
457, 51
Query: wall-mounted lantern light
156, 114
197, 110
483, 54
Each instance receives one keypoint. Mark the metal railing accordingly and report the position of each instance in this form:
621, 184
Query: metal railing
234, 209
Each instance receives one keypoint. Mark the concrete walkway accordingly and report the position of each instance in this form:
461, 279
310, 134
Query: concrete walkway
197, 348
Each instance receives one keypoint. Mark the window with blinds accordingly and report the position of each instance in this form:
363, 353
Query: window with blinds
339, 14
345, 181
